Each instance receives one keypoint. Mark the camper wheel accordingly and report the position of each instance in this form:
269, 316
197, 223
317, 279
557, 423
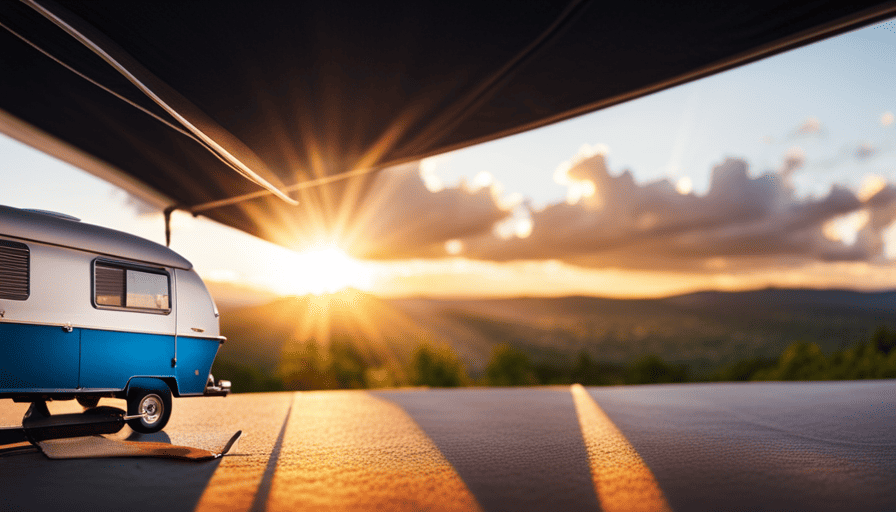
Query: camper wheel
88, 402
152, 405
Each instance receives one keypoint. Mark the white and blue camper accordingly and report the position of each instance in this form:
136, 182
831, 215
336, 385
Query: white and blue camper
88, 312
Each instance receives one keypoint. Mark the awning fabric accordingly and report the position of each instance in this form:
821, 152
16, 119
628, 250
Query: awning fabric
163, 97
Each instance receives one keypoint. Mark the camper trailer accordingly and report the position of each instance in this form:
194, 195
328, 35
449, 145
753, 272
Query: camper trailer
88, 312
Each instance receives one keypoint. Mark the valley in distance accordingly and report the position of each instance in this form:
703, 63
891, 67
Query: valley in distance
352, 339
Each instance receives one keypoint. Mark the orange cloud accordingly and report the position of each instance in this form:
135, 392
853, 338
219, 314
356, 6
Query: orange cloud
746, 222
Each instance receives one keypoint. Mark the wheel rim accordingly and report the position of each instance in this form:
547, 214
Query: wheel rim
151, 408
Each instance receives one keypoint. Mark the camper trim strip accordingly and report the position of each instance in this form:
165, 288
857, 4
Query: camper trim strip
63, 325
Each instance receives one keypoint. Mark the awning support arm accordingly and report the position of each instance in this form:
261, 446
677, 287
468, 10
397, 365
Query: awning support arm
167, 212
178, 107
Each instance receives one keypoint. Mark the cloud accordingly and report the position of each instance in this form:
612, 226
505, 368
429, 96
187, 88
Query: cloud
881, 208
871, 185
810, 126
684, 185
864, 151
794, 159
742, 222
405, 215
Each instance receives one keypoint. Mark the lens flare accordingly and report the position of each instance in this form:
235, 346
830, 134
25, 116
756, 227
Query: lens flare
325, 269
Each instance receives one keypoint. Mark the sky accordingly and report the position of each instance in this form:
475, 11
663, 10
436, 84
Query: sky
778, 173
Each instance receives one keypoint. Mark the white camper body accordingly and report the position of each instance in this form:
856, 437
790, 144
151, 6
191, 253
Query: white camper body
87, 311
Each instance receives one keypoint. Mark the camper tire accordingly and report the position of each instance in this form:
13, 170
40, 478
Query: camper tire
88, 402
154, 407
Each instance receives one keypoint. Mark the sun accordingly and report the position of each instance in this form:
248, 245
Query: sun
326, 269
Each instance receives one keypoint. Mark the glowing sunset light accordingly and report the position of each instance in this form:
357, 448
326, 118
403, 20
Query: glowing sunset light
684, 186
325, 269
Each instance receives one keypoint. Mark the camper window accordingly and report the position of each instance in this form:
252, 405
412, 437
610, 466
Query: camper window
122, 286
15, 260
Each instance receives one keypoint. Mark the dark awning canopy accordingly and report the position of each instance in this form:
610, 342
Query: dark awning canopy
191, 103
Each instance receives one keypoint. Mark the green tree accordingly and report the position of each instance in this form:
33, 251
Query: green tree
652, 369
800, 361
588, 372
884, 340
510, 367
437, 367
305, 369
346, 365
744, 369
888, 367
246, 378
552, 373
384, 377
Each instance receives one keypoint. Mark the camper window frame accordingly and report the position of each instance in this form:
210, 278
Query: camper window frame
126, 265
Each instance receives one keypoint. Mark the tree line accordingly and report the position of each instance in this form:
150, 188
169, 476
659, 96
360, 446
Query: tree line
342, 366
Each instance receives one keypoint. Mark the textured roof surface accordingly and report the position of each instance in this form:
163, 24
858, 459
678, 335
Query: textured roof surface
49, 229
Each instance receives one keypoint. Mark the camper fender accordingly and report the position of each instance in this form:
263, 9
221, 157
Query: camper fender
152, 383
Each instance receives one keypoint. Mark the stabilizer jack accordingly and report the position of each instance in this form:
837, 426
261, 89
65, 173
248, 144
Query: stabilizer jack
39, 425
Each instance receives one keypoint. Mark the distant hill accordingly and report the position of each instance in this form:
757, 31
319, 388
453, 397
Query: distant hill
263, 335
791, 299
704, 330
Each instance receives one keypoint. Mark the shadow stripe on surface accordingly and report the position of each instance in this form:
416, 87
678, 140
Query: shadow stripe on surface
515, 448
707, 456
622, 480
242, 481
259, 503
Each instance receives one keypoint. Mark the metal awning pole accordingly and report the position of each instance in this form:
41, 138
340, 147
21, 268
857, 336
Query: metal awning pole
168, 211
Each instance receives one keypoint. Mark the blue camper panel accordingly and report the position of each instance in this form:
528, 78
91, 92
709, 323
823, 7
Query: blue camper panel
194, 362
109, 359
37, 357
